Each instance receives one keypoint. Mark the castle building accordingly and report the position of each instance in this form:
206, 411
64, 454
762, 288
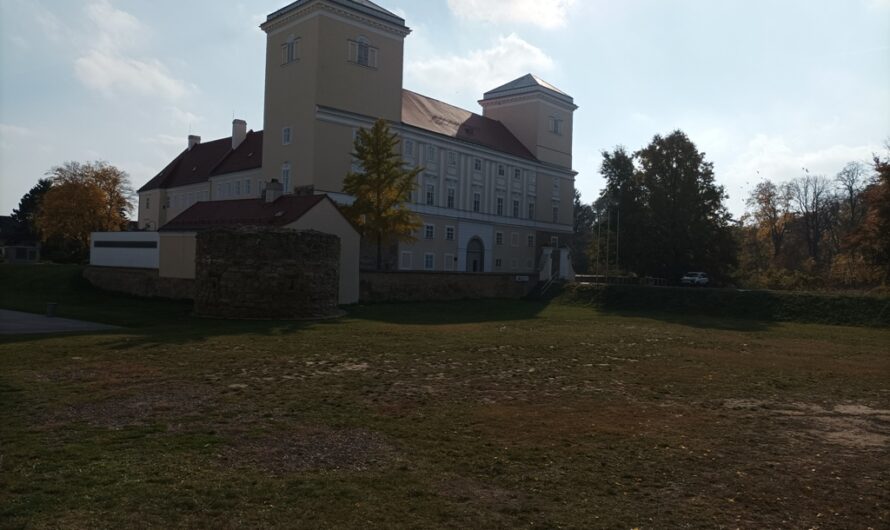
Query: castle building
496, 193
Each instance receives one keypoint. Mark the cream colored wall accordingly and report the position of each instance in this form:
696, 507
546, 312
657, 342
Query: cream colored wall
323, 75
290, 99
554, 148
522, 119
178, 255
221, 185
327, 219
374, 92
525, 257
150, 215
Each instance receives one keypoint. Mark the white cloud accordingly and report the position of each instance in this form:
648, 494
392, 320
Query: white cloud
111, 69
548, 14
878, 4
480, 70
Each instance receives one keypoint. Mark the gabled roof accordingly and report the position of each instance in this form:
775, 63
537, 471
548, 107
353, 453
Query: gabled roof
210, 159
246, 212
525, 84
365, 6
441, 118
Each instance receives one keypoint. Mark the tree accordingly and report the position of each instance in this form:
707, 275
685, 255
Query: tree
811, 195
688, 227
851, 180
622, 210
25, 215
83, 198
584, 219
382, 189
872, 237
770, 210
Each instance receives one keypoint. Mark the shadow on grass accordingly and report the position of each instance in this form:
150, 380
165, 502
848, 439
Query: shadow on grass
692, 320
449, 313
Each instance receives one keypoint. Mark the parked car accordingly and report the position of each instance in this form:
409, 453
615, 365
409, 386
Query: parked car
695, 279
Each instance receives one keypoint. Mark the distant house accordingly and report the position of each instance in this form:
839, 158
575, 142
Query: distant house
14, 246
496, 193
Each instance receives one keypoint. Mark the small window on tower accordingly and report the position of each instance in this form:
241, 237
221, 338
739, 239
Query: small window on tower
286, 136
362, 53
289, 51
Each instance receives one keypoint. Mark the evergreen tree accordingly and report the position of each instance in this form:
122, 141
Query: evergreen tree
25, 215
382, 189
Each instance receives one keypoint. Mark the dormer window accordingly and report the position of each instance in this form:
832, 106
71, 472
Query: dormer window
362, 53
289, 51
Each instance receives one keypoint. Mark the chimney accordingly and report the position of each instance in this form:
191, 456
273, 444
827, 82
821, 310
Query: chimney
193, 141
239, 132
274, 190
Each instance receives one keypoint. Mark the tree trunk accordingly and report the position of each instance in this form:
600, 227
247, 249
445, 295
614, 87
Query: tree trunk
379, 252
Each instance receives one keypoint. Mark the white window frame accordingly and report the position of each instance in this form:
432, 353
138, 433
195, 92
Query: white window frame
405, 260
477, 164
452, 159
448, 263
289, 51
500, 206
451, 198
556, 213
531, 210
430, 195
502, 170
285, 176
531, 241
429, 261
499, 239
429, 232
477, 201
361, 53
286, 136
517, 207
498, 263
556, 125
431, 153
450, 233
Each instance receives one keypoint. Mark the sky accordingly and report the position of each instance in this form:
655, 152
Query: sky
765, 88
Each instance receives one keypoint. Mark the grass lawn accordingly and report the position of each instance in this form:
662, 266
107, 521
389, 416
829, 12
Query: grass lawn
461, 415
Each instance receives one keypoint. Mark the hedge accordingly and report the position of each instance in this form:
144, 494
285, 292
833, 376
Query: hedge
760, 305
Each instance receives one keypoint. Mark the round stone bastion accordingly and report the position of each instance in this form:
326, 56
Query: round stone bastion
267, 274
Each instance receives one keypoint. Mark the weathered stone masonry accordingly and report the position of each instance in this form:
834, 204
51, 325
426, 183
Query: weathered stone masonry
263, 273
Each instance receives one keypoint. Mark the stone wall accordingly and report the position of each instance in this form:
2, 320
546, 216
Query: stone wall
145, 283
439, 286
262, 273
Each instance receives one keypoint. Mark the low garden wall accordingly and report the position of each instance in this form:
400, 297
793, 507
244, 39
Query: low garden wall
145, 283
821, 308
410, 286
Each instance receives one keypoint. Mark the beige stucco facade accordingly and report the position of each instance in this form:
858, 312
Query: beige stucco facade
322, 94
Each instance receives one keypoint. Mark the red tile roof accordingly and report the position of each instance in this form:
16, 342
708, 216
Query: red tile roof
198, 164
435, 116
250, 212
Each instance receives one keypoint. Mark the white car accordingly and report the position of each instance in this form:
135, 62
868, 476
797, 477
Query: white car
695, 279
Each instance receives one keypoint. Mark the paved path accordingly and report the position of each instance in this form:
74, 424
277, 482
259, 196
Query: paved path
15, 323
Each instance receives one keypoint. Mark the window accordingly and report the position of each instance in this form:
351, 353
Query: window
531, 209
148, 203
499, 238
448, 262
237, 189
431, 153
498, 263
289, 51
477, 201
449, 233
247, 187
477, 164
430, 195
556, 214
554, 241
514, 239
285, 136
362, 53
555, 125
405, 261
517, 174
515, 208
531, 241
500, 206
452, 159
501, 170
285, 176
409, 148
429, 232
451, 197
429, 261
556, 187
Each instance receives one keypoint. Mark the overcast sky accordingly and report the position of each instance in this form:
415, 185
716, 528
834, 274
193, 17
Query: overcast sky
764, 87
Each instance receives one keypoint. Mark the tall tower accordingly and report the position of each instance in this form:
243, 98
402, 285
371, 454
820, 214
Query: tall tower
538, 114
340, 55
